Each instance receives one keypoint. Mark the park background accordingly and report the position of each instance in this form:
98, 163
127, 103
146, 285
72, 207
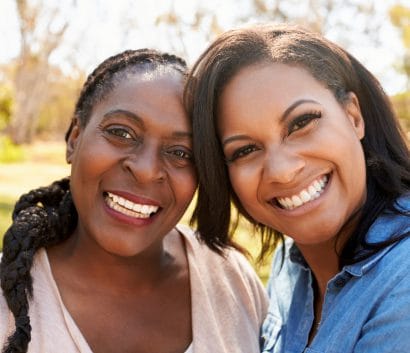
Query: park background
49, 46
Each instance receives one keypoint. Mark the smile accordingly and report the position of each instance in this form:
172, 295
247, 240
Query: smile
312, 192
128, 207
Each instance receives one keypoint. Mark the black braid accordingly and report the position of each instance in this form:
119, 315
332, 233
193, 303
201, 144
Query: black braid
47, 216
41, 218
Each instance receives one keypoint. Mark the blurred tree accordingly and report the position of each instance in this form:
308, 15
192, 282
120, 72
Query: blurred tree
400, 17
330, 17
180, 28
401, 104
56, 112
41, 31
319, 15
6, 105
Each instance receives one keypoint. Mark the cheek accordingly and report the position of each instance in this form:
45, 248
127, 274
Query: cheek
92, 160
184, 183
358, 173
245, 181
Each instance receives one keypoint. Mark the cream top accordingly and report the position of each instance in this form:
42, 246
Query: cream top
229, 304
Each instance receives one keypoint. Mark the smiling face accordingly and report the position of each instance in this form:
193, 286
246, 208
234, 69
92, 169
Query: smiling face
132, 175
293, 151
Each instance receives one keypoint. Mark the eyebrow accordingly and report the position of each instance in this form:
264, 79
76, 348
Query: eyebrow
182, 135
282, 118
234, 138
126, 113
294, 105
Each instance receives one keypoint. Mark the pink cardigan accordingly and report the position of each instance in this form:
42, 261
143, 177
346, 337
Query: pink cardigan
228, 305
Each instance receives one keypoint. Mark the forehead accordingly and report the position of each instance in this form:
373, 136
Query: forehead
269, 90
261, 84
273, 77
151, 97
132, 86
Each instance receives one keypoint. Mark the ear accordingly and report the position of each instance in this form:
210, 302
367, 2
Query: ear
354, 114
72, 140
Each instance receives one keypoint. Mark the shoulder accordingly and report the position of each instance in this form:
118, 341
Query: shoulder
395, 263
391, 223
230, 260
231, 269
388, 288
226, 287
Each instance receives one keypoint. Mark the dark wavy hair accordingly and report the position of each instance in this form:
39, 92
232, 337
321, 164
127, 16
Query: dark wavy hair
46, 216
384, 144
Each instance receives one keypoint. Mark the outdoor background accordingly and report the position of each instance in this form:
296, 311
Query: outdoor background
49, 46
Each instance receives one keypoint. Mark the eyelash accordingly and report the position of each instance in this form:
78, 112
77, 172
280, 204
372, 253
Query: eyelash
181, 154
297, 124
302, 121
120, 132
242, 152
178, 154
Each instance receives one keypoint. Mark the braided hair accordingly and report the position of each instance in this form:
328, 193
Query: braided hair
47, 216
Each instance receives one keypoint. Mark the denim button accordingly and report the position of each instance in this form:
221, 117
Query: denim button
340, 282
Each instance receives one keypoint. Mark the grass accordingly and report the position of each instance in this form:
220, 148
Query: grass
44, 162
6, 207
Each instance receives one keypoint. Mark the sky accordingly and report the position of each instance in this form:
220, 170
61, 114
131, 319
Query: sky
100, 28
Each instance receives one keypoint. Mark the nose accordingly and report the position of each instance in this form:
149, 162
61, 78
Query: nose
282, 165
146, 166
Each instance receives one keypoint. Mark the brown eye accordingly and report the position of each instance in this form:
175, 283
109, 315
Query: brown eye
242, 152
301, 121
179, 156
182, 154
120, 132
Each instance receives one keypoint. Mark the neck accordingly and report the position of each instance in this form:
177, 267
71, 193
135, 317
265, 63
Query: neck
93, 266
323, 261
323, 258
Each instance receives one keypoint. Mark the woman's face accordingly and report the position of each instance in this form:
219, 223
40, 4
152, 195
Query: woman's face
132, 174
294, 154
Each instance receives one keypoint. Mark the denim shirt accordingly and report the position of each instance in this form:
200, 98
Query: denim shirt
366, 307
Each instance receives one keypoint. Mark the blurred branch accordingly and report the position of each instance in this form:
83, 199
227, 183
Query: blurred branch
31, 78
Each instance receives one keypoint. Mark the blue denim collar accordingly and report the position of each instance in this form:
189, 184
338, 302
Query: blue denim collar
386, 226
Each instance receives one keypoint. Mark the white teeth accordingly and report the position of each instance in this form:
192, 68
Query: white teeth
128, 207
317, 185
312, 192
288, 202
305, 196
137, 207
296, 201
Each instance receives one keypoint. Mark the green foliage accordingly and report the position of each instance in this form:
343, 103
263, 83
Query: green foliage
6, 207
6, 105
401, 104
9, 152
400, 17
56, 112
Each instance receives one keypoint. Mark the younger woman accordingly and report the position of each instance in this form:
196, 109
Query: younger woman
302, 138
96, 263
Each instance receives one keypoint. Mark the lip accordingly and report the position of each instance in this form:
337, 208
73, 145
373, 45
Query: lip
307, 207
